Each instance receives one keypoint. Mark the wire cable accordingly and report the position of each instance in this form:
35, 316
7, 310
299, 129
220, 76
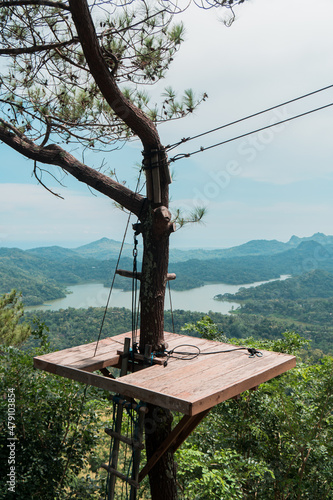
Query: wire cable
188, 355
168, 148
187, 155
115, 271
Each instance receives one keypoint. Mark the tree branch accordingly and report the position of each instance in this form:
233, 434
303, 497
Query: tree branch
19, 3
139, 123
36, 48
55, 155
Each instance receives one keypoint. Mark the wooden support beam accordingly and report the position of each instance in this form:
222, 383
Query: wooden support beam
156, 177
176, 437
106, 373
193, 423
130, 274
165, 446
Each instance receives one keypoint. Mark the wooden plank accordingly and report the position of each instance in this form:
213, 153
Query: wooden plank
118, 386
189, 386
213, 372
180, 369
106, 347
92, 364
217, 378
73, 354
209, 400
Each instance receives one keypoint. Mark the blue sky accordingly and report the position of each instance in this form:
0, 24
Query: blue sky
267, 186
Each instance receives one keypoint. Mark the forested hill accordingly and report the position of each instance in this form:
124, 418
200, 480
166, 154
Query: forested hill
314, 284
105, 249
42, 274
240, 270
306, 301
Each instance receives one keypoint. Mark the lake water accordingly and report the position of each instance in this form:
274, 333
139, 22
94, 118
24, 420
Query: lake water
197, 299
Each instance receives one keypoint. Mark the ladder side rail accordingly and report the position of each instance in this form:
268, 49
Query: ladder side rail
119, 419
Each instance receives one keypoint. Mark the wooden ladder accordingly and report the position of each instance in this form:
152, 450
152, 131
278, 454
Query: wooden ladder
136, 441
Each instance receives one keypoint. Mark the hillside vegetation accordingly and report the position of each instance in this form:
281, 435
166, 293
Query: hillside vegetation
43, 273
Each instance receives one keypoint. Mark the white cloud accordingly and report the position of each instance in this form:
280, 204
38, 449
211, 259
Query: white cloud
32, 215
233, 222
275, 50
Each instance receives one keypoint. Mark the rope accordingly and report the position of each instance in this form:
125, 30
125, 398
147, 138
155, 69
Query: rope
112, 284
115, 271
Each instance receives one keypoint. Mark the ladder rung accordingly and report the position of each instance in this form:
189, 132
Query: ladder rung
120, 475
124, 439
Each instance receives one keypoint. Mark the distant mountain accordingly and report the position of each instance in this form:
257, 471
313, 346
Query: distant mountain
104, 249
318, 237
53, 253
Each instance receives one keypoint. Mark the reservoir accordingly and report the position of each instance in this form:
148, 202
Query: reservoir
197, 299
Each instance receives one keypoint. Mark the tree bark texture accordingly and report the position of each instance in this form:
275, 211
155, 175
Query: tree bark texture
162, 477
156, 228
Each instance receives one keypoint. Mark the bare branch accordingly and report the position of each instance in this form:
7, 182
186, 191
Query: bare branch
37, 48
42, 183
48, 3
55, 155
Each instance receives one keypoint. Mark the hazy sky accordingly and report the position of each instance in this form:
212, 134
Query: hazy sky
270, 185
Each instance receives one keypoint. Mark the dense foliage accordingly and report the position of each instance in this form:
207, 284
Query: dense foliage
11, 311
69, 327
274, 443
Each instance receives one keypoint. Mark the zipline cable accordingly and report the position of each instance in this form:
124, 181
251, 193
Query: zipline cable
187, 155
182, 141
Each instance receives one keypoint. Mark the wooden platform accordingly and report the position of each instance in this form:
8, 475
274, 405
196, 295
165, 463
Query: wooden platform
188, 386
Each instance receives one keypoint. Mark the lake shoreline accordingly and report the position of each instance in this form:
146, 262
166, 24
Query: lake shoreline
196, 299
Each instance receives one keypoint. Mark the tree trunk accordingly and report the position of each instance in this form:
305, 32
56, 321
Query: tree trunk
162, 477
156, 227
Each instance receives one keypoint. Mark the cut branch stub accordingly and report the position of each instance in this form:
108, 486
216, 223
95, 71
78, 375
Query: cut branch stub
162, 221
